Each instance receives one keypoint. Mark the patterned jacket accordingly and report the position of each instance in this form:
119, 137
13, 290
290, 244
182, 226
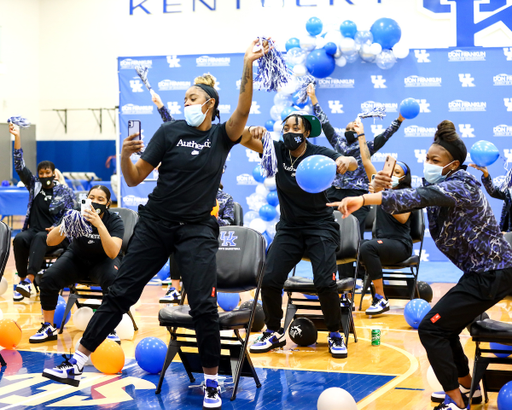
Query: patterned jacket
356, 179
63, 197
505, 195
461, 221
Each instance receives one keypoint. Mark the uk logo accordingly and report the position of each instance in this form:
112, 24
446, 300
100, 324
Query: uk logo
255, 108
173, 61
508, 103
508, 154
466, 80
424, 255
466, 131
228, 238
378, 81
136, 86
377, 129
424, 105
422, 56
336, 107
420, 155
174, 107
508, 53
253, 156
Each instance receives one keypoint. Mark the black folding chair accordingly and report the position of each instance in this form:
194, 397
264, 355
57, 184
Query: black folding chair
348, 252
239, 214
239, 269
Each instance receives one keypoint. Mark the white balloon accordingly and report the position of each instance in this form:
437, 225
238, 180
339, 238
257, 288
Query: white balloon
82, 317
249, 216
432, 380
270, 183
290, 87
125, 329
271, 228
256, 201
308, 109
278, 126
341, 62
262, 190
335, 398
308, 43
348, 46
275, 112
88, 363
300, 70
282, 100
3, 286
400, 50
376, 48
321, 42
258, 224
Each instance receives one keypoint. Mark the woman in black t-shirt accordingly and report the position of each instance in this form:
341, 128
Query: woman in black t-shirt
94, 257
176, 219
306, 225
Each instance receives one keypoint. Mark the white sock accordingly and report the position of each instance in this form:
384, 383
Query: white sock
212, 377
81, 359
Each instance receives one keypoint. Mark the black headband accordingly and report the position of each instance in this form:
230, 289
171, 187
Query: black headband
212, 93
457, 149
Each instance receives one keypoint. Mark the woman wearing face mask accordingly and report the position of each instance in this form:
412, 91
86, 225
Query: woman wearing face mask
94, 256
463, 227
176, 219
306, 225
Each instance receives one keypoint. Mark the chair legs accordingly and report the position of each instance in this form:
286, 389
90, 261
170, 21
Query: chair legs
133, 321
172, 350
291, 310
72, 299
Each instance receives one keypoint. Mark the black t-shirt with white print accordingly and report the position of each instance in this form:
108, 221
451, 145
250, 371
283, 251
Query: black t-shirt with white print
191, 163
297, 206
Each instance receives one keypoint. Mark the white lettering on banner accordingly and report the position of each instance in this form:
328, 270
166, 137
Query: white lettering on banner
417, 131
255, 108
424, 105
173, 61
339, 131
460, 55
420, 155
169, 85
422, 56
417, 81
206, 61
508, 103
132, 200
336, 107
330, 82
129, 63
502, 79
253, 156
238, 82
416, 181
377, 129
225, 108
174, 107
508, 154
466, 131
459, 105
370, 105
245, 179
129, 109
424, 255
466, 80
508, 53
193, 144
502, 130
136, 86
381, 156
378, 81
499, 180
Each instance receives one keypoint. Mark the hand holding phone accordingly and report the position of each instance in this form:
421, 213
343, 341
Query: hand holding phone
134, 128
389, 165
86, 204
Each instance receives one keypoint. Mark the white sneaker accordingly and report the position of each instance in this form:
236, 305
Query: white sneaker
439, 396
45, 334
212, 398
337, 347
24, 288
17, 297
68, 372
378, 306
268, 341
171, 296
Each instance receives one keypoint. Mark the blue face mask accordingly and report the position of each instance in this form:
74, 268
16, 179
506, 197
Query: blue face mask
194, 115
434, 173
395, 181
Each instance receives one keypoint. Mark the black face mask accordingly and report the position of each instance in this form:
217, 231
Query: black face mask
46, 181
293, 140
351, 136
99, 208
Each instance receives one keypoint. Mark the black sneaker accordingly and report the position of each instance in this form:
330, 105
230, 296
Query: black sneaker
45, 334
114, 337
68, 372
212, 398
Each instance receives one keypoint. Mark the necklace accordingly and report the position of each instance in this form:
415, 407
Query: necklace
300, 155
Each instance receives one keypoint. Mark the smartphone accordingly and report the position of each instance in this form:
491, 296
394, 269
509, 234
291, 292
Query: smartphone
86, 204
389, 165
133, 128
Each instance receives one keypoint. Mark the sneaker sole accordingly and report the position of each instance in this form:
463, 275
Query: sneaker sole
474, 400
71, 382
339, 355
23, 292
379, 313
210, 408
48, 339
169, 301
268, 349
18, 300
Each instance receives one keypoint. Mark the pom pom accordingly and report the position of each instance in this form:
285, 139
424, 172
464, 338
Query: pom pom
377, 112
19, 121
303, 82
74, 225
143, 74
268, 160
273, 73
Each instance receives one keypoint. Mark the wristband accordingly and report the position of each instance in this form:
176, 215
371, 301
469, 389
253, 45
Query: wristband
362, 196
360, 135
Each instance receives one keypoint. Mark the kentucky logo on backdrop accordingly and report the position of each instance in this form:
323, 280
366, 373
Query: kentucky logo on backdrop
330, 82
424, 105
378, 81
502, 79
136, 86
508, 154
377, 129
508, 103
466, 131
255, 108
174, 107
336, 107
466, 80
417, 81
422, 56
502, 130
173, 61
508, 53
420, 155
252, 156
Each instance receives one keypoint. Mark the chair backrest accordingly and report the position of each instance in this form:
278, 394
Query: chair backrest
349, 237
417, 225
240, 258
239, 214
370, 218
5, 246
508, 237
130, 219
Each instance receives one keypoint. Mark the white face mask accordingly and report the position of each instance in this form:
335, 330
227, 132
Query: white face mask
434, 173
194, 115
395, 181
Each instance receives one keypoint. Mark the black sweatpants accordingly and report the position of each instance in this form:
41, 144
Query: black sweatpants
175, 271
70, 269
337, 195
290, 244
380, 251
30, 247
195, 248
439, 331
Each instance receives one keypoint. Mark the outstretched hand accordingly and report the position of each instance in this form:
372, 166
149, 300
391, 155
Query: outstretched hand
348, 205
483, 169
14, 129
131, 146
257, 133
257, 49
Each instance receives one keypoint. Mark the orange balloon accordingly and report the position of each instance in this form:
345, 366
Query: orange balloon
215, 209
108, 358
10, 333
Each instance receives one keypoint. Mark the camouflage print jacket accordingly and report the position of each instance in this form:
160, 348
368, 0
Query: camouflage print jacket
63, 197
506, 196
460, 219
356, 179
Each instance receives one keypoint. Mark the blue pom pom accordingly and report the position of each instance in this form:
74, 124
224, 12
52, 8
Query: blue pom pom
273, 73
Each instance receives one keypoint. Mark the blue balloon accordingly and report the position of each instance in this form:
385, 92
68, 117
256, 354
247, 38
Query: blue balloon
331, 48
415, 311
165, 272
348, 29
269, 125
228, 301
409, 108
484, 153
256, 174
505, 397
386, 32
316, 173
59, 312
292, 43
268, 212
150, 354
285, 113
272, 198
314, 26
499, 346
320, 64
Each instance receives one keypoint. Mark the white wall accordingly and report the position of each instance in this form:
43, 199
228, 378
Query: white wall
70, 47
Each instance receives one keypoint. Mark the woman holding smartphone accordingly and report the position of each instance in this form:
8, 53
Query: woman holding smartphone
463, 227
176, 219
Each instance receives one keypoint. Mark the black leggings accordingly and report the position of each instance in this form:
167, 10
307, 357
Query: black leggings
70, 269
376, 252
195, 248
175, 270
